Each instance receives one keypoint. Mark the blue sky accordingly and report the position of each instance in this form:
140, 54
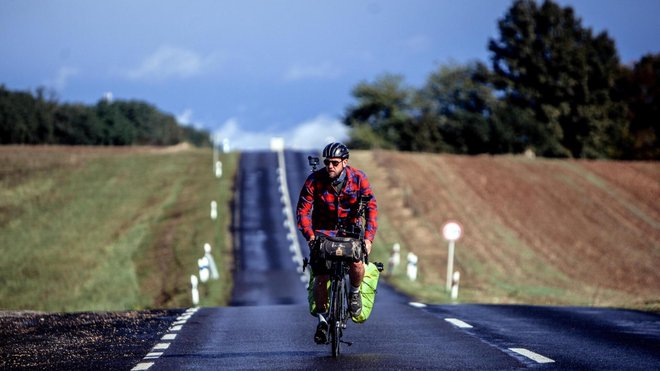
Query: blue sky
249, 70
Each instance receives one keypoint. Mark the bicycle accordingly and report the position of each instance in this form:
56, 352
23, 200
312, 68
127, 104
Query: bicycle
340, 260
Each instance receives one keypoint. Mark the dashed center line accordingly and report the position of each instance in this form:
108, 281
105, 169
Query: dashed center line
417, 305
531, 355
457, 322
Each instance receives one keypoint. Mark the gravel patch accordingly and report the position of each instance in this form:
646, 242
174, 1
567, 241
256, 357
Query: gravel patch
103, 340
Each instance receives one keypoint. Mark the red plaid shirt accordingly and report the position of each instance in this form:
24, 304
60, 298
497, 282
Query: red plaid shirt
321, 210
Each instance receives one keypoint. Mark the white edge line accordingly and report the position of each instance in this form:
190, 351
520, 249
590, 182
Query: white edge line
298, 257
417, 305
142, 366
531, 355
162, 346
457, 322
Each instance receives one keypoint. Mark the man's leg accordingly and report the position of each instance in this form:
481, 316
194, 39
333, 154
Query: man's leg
321, 300
321, 293
356, 274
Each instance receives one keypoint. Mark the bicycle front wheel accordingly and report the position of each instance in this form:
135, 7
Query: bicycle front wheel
335, 330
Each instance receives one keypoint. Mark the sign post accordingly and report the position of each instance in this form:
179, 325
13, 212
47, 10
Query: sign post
452, 231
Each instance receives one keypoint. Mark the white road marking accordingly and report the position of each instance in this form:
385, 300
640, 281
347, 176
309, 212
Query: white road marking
457, 322
162, 346
288, 212
531, 355
176, 326
417, 305
142, 366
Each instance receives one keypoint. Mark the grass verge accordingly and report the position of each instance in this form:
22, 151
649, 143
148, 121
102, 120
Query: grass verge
85, 229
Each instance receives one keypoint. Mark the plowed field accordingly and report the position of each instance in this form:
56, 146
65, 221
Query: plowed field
536, 230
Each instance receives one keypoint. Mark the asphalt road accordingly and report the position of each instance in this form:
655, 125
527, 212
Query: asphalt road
268, 325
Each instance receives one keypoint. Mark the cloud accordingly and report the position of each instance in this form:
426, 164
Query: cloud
185, 117
312, 134
170, 62
62, 78
316, 133
322, 71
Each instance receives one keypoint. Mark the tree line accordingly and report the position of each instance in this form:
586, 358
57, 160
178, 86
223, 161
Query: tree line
38, 118
553, 87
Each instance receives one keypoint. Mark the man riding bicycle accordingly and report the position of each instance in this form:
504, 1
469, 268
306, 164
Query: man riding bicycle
328, 206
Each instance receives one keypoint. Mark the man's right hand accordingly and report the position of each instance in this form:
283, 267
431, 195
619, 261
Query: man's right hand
311, 242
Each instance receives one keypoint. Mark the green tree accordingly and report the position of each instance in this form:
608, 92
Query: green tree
382, 115
547, 62
639, 89
459, 102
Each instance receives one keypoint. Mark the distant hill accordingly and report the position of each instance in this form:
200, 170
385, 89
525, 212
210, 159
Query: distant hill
539, 231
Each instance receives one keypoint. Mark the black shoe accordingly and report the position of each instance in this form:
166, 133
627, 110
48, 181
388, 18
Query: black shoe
355, 304
321, 334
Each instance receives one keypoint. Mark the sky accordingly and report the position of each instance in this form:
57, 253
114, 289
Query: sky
248, 70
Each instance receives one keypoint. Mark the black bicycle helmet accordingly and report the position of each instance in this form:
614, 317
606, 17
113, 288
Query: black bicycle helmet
335, 149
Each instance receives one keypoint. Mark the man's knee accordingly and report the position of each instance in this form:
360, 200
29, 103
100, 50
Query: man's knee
357, 267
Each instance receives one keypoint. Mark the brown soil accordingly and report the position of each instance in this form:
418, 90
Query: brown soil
540, 231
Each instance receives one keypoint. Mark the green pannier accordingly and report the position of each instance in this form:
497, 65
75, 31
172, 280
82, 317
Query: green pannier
367, 291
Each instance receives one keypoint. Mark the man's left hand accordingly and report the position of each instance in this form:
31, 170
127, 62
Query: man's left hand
367, 246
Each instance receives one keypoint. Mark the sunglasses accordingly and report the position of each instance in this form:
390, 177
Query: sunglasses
334, 163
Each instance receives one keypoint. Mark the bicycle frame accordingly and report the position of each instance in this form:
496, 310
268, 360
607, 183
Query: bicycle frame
338, 311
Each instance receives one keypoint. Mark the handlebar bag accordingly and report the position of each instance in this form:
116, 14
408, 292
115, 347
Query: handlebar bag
340, 248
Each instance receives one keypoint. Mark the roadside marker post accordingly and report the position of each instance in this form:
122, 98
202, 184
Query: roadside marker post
213, 268
452, 231
195, 292
215, 140
218, 169
412, 266
454, 285
203, 265
395, 258
214, 210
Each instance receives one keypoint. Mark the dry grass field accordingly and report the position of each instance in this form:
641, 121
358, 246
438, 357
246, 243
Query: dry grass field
541, 231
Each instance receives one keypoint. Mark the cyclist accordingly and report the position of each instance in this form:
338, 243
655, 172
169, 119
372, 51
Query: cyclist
328, 202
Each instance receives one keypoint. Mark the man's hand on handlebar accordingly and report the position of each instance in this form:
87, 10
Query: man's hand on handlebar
367, 246
311, 242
